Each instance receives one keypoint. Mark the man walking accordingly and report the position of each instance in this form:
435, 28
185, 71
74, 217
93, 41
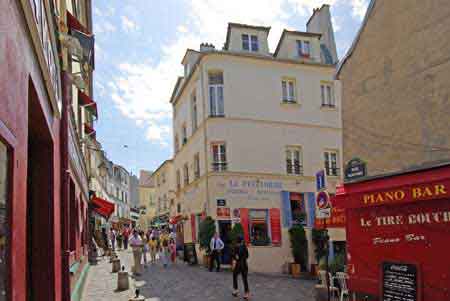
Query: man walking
216, 245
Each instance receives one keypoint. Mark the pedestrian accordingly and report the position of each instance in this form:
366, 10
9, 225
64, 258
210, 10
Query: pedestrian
153, 246
112, 237
105, 241
119, 238
125, 234
136, 245
240, 266
164, 254
144, 247
216, 246
173, 250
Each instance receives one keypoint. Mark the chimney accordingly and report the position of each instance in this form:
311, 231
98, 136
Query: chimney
207, 47
320, 22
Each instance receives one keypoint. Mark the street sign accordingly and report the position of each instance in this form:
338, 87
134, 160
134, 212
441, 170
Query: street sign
323, 205
355, 168
320, 180
221, 203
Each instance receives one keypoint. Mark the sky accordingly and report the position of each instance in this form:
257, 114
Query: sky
138, 52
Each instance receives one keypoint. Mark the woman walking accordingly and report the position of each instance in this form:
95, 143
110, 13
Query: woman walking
153, 246
164, 255
173, 250
240, 256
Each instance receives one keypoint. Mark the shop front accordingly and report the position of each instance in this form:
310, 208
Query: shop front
398, 233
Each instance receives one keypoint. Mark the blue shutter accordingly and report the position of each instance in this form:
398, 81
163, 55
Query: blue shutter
286, 207
311, 205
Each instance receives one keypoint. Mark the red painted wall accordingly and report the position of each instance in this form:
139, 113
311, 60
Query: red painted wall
18, 67
414, 228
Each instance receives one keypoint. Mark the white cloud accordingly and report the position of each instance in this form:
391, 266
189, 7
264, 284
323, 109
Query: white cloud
359, 8
182, 29
128, 25
336, 24
159, 134
104, 27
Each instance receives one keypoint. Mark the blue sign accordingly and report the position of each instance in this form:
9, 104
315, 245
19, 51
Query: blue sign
320, 180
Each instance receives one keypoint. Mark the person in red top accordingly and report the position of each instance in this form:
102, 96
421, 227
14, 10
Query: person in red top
125, 234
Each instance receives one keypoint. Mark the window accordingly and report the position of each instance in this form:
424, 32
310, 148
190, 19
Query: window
216, 94
294, 161
194, 112
197, 166
250, 43
178, 208
327, 95
158, 182
219, 157
186, 70
259, 227
178, 180
184, 135
177, 145
288, 90
186, 174
303, 48
163, 177
4, 220
331, 166
298, 210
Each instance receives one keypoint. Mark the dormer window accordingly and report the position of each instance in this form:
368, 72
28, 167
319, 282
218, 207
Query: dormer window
250, 43
303, 48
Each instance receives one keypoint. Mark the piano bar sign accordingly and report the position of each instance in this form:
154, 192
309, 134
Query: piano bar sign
414, 193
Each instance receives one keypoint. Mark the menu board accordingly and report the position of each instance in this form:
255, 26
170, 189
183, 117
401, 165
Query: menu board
399, 282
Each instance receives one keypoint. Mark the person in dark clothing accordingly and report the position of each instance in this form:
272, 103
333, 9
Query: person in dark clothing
240, 256
105, 241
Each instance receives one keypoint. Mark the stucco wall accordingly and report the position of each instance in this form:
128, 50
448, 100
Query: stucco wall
395, 87
235, 43
288, 47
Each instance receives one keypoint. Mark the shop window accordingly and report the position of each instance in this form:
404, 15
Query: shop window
259, 227
4, 230
298, 211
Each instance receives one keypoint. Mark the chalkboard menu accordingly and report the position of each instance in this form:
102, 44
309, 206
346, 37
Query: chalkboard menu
399, 282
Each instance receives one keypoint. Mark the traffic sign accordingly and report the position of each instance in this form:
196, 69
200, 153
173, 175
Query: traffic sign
323, 205
320, 180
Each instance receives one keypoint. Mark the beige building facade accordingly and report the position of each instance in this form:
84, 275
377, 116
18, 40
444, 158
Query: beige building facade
396, 108
164, 194
147, 199
251, 129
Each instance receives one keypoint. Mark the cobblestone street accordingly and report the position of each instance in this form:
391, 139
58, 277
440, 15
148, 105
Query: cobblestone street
183, 282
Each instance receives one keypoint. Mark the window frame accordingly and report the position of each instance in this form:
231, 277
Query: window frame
178, 179
196, 166
216, 103
250, 42
292, 149
327, 97
194, 111
301, 48
267, 224
330, 170
288, 96
221, 164
186, 174
183, 134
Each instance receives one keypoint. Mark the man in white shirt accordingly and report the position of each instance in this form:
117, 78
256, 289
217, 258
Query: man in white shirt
216, 245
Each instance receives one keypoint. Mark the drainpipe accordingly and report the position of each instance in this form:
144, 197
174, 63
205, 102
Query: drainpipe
205, 141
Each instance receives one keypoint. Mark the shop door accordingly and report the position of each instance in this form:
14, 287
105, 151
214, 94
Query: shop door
40, 255
224, 231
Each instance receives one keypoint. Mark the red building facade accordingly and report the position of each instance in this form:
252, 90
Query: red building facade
398, 235
43, 178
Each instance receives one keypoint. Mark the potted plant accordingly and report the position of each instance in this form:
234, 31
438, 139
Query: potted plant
235, 232
320, 240
299, 247
207, 228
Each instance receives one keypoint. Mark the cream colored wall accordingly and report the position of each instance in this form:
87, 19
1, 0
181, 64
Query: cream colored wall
236, 40
252, 89
288, 48
148, 201
166, 188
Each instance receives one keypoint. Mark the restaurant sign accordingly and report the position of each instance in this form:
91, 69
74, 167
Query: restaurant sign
399, 282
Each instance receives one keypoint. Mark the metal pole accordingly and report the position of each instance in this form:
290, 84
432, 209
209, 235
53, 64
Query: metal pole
326, 259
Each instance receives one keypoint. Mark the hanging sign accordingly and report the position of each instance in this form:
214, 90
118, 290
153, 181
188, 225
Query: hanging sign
355, 168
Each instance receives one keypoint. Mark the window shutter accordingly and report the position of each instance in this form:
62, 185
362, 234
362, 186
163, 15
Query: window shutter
275, 226
311, 205
244, 223
194, 238
286, 206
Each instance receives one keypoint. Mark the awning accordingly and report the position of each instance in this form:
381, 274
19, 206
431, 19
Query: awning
89, 131
103, 207
174, 220
87, 103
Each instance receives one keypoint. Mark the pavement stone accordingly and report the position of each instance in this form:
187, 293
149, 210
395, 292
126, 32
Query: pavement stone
184, 282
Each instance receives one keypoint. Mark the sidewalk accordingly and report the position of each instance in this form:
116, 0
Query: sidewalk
194, 283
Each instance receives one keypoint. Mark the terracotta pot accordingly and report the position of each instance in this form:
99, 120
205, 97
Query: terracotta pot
295, 270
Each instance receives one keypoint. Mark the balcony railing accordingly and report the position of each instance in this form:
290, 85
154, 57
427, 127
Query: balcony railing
332, 171
219, 166
295, 169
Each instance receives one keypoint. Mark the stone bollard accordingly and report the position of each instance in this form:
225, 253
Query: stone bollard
137, 296
116, 265
123, 282
137, 256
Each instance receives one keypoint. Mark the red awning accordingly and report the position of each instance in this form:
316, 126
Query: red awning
174, 220
73, 23
89, 131
103, 207
87, 103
